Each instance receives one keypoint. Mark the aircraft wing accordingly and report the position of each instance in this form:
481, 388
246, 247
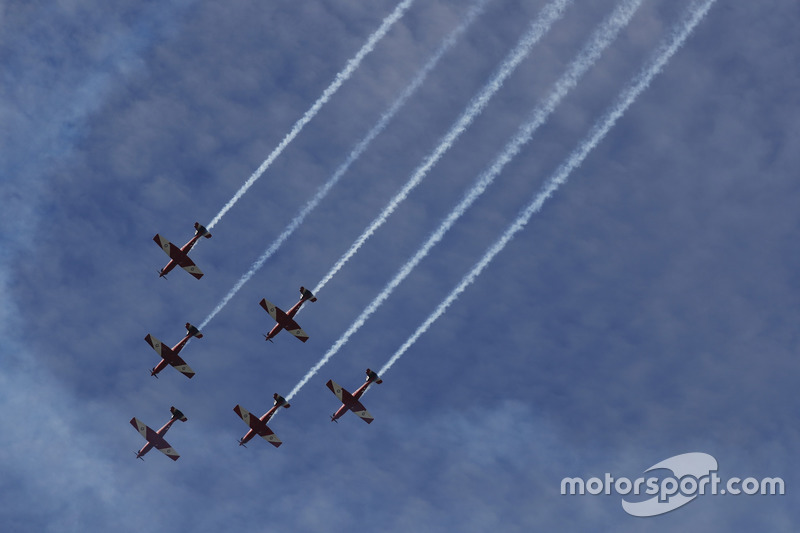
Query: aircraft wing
155, 439
271, 437
181, 366
166, 449
275, 312
251, 420
170, 249
295, 330
177, 255
361, 411
283, 319
164, 351
189, 266
169, 356
347, 399
258, 426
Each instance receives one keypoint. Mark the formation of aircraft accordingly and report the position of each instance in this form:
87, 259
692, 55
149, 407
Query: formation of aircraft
285, 320
258, 426
180, 256
350, 401
170, 355
155, 439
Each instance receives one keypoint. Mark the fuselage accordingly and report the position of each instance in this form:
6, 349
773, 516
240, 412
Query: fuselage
290, 313
266, 418
185, 250
175, 349
161, 432
356, 395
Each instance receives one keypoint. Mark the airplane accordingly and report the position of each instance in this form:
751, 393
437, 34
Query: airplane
170, 355
180, 256
350, 401
156, 438
258, 426
285, 319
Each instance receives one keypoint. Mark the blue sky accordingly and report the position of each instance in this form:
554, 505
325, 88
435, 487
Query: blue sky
648, 310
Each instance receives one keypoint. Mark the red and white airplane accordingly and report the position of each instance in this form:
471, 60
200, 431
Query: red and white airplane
285, 320
180, 256
156, 438
350, 401
258, 426
170, 355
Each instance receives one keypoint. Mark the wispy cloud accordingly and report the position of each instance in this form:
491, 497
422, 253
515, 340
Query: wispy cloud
590, 53
359, 149
600, 129
552, 12
52, 89
341, 77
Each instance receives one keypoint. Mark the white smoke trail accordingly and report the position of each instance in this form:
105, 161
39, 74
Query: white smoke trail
600, 129
590, 53
540, 26
341, 77
359, 149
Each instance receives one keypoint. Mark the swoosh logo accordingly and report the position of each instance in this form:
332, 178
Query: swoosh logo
694, 464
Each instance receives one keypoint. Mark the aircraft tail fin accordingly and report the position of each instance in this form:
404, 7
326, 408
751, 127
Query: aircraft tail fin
200, 230
193, 331
177, 414
373, 377
307, 294
280, 401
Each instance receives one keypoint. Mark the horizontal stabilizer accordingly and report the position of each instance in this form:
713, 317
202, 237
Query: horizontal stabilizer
178, 414
200, 230
193, 331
